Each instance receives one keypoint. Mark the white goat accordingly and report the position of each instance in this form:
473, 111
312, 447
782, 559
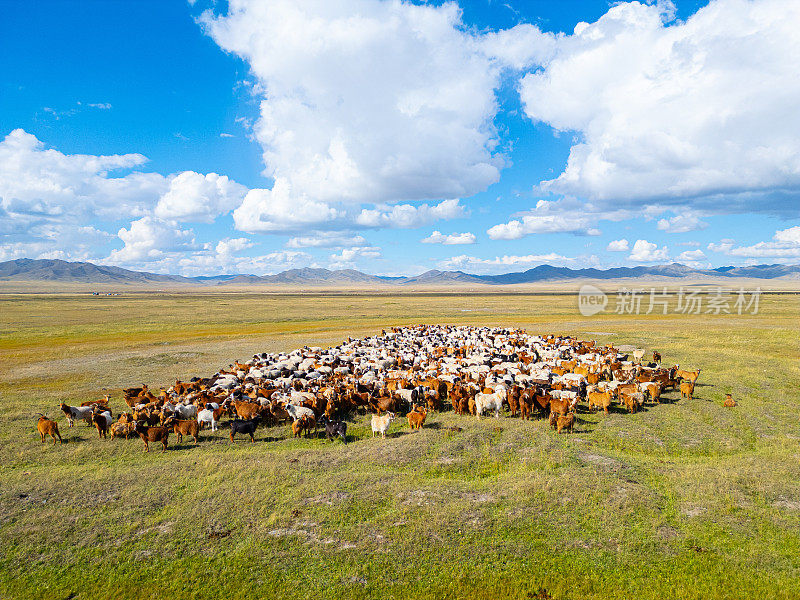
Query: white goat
207, 416
77, 412
296, 412
381, 424
185, 411
487, 402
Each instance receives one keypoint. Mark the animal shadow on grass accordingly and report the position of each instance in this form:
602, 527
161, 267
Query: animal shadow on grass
246, 439
320, 435
581, 422
451, 429
218, 533
267, 438
622, 410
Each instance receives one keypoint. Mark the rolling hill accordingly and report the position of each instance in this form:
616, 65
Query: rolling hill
51, 270
26, 269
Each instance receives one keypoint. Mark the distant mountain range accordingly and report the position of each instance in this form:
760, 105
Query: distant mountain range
25, 269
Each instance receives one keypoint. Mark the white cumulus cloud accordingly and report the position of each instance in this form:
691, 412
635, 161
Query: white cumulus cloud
348, 257
211, 260
723, 246
644, 251
566, 215
150, 239
690, 256
788, 236
326, 239
452, 239
230, 246
785, 244
276, 210
682, 223
409, 216
618, 246
705, 108
39, 183
502, 264
48, 200
368, 101
693, 258
199, 198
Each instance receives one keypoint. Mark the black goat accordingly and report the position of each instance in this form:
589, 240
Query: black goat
334, 428
245, 427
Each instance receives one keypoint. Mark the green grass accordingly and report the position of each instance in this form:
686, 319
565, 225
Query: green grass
684, 500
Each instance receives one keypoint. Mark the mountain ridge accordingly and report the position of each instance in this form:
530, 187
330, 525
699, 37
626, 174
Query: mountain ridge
55, 270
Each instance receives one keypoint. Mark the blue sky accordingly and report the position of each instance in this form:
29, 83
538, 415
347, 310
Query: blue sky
396, 137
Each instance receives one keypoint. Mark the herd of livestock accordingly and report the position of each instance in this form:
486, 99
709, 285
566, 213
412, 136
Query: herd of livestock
408, 371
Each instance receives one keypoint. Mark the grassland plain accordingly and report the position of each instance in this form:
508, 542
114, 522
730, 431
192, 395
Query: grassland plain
683, 500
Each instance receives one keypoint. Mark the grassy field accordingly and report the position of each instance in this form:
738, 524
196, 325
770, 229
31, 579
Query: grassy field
683, 500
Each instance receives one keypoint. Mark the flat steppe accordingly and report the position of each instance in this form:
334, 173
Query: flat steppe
685, 499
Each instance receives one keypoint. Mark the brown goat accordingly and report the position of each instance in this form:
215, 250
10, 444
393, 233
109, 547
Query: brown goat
101, 421
690, 376
514, 400
653, 389
560, 406
553, 419
416, 418
298, 426
153, 434
434, 403
246, 410
279, 412
183, 427
47, 427
150, 415
122, 429
383, 404
526, 404
459, 398
687, 390
566, 422
102, 403
471, 406
626, 388
134, 396
633, 401
305, 423
600, 400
